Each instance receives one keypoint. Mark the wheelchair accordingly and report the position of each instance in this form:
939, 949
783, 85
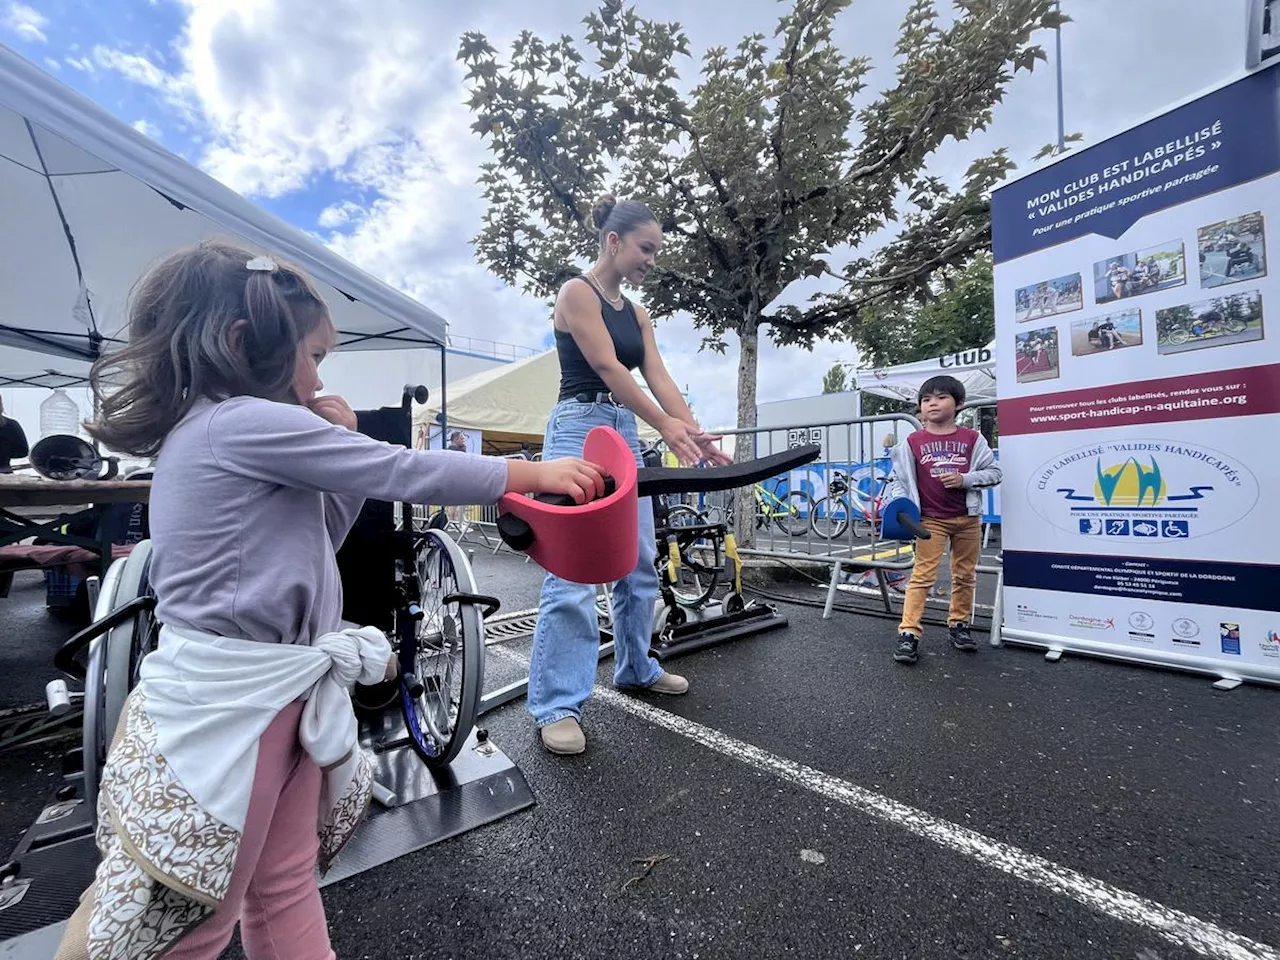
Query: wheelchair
436, 620
695, 557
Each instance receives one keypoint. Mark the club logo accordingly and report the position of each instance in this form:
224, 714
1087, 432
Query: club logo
1186, 628
1272, 646
1129, 491
1141, 621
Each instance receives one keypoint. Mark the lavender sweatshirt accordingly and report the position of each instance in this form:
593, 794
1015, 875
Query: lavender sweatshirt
251, 500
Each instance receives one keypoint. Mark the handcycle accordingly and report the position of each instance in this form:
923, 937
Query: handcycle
437, 635
1205, 330
690, 556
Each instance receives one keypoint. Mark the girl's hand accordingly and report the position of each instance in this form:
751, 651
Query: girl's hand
577, 478
335, 410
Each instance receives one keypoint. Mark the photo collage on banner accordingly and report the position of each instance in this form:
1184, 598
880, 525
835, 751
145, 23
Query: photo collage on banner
1138, 353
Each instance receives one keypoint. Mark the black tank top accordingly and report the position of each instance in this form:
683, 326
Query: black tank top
576, 374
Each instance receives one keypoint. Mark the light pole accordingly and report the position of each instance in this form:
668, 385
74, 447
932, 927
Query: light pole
1062, 134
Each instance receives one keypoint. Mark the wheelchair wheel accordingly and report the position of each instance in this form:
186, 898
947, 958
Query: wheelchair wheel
114, 659
699, 574
441, 656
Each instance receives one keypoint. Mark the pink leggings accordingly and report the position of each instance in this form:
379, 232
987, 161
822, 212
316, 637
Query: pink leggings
273, 888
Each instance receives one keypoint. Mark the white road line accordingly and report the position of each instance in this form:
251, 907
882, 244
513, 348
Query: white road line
1180, 929
1177, 927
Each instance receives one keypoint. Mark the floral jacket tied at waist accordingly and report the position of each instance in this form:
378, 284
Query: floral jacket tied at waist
176, 786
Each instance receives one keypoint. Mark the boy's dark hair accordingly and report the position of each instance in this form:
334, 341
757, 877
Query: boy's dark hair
947, 386
180, 318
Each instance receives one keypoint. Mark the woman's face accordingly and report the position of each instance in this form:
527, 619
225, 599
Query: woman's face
637, 252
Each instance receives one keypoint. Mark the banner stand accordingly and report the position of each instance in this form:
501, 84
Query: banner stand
1139, 385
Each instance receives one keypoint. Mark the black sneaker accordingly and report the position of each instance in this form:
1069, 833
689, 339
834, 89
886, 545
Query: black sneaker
905, 651
961, 639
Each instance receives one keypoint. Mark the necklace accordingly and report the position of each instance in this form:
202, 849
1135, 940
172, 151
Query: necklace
615, 302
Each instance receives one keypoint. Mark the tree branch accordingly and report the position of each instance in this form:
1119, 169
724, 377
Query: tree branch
917, 131
962, 244
697, 282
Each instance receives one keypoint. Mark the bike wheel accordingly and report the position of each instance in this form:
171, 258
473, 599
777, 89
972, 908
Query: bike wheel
441, 658
1237, 326
830, 517
792, 517
1179, 336
699, 575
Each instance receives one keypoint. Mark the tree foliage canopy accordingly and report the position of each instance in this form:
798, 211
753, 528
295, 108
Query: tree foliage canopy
761, 173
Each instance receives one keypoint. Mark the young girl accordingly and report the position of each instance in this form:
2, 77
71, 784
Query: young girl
601, 336
235, 768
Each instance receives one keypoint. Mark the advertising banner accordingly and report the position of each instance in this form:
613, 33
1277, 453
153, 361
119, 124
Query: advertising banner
1139, 380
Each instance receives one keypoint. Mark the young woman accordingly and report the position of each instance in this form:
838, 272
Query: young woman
601, 336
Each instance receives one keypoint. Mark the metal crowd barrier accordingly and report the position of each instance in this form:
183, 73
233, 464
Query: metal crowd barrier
851, 454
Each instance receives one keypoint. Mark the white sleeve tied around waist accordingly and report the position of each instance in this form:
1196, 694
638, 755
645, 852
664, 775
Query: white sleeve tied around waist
328, 728
211, 699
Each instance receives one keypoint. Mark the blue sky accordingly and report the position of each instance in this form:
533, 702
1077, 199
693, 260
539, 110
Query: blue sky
346, 118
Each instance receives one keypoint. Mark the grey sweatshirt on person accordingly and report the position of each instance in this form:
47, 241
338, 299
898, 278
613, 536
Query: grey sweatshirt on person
251, 500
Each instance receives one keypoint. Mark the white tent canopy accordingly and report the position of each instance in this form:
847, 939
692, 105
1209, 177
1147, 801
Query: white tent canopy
89, 203
508, 404
975, 368
23, 368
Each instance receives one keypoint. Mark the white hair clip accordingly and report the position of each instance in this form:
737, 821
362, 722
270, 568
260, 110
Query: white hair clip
261, 263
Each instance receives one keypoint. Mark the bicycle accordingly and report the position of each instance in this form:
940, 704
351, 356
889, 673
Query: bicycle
847, 503
790, 510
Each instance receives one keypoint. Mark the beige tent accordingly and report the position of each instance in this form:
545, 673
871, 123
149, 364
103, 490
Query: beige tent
509, 404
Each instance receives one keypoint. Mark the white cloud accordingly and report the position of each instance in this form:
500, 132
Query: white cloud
52, 64
83, 64
147, 129
368, 95
340, 215
26, 22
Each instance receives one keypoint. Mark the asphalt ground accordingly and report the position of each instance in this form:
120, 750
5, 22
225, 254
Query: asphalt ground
811, 798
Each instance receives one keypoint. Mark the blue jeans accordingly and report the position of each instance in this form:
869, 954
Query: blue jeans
566, 642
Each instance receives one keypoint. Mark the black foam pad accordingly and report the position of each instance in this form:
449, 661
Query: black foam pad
653, 481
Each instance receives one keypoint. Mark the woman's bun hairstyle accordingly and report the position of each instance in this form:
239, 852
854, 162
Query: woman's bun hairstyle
600, 212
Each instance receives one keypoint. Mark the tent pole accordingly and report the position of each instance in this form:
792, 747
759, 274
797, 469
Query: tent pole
444, 393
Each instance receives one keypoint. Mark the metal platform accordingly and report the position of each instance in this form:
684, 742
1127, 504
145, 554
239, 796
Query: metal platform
711, 626
57, 856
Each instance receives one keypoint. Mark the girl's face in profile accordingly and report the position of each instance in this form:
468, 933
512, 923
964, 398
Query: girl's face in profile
312, 350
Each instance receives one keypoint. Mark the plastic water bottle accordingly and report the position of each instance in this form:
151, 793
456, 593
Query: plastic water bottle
59, 414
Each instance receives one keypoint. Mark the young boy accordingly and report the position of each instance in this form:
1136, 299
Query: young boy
942, 467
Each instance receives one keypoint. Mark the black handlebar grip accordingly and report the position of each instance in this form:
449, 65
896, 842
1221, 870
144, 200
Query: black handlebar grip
515, 532
564, 500
916, 527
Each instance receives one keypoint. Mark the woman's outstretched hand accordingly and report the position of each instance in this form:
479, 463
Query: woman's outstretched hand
711, 453
680, 438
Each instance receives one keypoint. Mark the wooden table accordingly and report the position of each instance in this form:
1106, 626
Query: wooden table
70, 501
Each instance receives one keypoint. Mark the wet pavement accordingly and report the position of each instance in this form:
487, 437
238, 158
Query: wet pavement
811, 798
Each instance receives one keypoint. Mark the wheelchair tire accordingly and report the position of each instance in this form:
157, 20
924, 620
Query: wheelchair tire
444, 653
114, 659
698, 579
